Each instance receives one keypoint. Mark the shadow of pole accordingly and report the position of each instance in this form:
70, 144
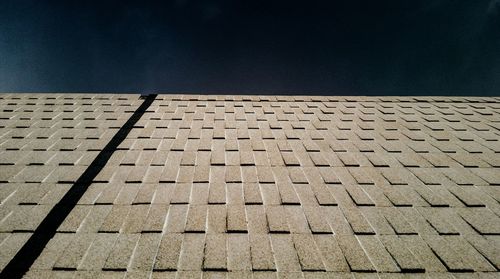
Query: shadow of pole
30, 251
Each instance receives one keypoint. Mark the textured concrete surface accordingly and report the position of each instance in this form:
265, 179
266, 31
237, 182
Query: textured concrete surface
256, 186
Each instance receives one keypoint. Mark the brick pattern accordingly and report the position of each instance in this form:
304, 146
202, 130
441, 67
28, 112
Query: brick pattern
256, 186
46, 142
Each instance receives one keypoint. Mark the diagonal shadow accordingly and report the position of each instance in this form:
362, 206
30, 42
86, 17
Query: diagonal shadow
27, 255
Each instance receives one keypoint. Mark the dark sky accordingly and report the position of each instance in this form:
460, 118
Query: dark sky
356, 47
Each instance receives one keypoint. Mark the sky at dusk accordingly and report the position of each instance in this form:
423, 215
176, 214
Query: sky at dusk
355, 47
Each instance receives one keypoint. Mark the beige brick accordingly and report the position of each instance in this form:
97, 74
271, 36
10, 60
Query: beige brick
357, 221
481, 219
238, 252
405, 259
145, 252
186, 174
318, 159
191, 256
290, 159
127, 194
236, 218
337, 221
306, 195
218, 158
201, 174
329, 176
246, 158
487, 246
196, 218
136, 174
73, 254
145, 194
331, 253
285, 253
297, 175
256, 216
169, 174
356, 257
296, 220
121, 253
115, 219
156, 219
52, 251
233, 174
168, 252
188, 158
215, 252
181, 193
276, 218
72, 222
446, 253
423, 253
377, 220
232, 158
199, 194
217, 193
323, 194
262, 254
98, 252
397, 221
176, 219
94, 219
265, 174
437, 220
316, 218
109, 194
270, 194
469, 255
217, 218
287, 193
348, 160
249, 174
136, 218
309, 256
251, 193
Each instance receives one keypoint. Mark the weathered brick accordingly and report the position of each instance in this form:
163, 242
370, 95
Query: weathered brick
168, 252
238, 252
215, 252
262, 254
276, 219
121, 253
307, 252
285, 253
354, 254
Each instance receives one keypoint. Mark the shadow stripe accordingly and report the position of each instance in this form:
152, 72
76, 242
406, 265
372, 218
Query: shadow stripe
27, 255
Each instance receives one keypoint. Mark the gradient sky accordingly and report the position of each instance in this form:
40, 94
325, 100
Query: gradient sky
355, 47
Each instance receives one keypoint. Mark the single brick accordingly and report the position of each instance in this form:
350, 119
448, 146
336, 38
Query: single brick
238, 252
261, 251
309, 256
276, 219
121, 253
168, 252
215, 252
